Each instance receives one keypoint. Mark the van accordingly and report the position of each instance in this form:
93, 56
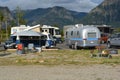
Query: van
113, 40
48, 40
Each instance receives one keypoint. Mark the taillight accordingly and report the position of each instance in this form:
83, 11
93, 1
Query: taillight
85, 39
99, 38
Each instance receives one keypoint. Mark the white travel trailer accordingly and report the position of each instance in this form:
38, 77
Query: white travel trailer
82, 36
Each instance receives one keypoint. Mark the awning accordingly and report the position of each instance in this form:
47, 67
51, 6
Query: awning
27, 33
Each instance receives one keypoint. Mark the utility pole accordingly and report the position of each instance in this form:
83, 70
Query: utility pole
1, 20
6, 24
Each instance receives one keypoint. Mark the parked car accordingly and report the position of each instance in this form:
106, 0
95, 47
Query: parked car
57, 40
10, 44
114, 40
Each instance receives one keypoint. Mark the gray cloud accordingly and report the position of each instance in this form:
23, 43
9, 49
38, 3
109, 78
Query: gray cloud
75, 5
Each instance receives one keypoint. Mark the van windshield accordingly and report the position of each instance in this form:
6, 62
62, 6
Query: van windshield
50, 36
91, 35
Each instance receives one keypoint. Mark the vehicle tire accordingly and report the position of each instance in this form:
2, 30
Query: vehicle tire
108, 45
73, 46
14, 47
102, 42
70, 46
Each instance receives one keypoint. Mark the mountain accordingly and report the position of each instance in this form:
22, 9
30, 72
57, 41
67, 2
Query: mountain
53, 16
6, 13
108, 12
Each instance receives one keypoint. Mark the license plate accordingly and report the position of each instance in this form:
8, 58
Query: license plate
91, 42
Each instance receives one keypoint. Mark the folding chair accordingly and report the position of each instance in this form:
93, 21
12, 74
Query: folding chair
31, 48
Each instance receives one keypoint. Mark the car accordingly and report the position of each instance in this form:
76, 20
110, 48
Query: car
113, 40
57, 40
10, 44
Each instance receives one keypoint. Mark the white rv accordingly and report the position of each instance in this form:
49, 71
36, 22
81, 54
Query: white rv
82, 36
55, 31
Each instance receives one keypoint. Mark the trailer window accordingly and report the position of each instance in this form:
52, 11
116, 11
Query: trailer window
91, 35
57, 32
77, 33
71, 33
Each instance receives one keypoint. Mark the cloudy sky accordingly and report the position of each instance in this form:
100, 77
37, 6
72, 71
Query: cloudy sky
75, 5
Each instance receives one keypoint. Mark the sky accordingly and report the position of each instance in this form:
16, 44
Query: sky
75, 5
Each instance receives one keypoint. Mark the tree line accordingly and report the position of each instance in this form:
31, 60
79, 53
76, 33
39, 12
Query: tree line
6, 23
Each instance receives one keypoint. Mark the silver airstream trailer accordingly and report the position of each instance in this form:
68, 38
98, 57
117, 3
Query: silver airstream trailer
82, 36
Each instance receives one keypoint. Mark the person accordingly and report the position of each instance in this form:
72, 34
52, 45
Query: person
20, 48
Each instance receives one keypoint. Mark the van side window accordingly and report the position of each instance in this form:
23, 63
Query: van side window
66, 34
115, 36
71, 33
119, 35
77, 33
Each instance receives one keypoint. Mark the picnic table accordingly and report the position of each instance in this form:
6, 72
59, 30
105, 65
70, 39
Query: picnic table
102, 51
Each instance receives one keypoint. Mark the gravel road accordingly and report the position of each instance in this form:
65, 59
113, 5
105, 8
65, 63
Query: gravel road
61, 72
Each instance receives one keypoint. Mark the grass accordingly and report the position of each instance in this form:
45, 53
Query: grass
58, 57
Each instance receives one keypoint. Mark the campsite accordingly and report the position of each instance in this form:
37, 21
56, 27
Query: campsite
59, 39
57, 64
57, 59
36, 51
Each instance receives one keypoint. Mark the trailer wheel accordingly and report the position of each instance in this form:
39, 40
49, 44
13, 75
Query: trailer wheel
108, 45
72, 46
76, 46
102, 42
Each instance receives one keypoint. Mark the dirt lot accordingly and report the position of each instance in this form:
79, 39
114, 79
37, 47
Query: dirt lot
61, 72
58, 65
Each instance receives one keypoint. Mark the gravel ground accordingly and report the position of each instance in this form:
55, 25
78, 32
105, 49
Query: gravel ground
61, 72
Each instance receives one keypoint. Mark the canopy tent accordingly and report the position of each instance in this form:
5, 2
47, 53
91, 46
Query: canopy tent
27, 33
27, 37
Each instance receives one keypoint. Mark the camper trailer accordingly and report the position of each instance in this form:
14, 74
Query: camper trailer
82, 36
